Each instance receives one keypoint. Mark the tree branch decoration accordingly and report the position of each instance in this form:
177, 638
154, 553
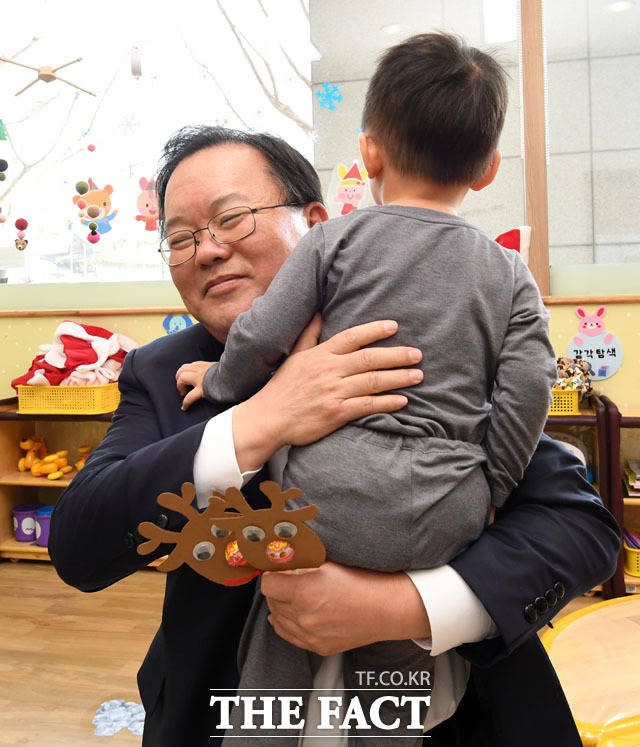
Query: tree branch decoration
272, 95
230, 542
47, 74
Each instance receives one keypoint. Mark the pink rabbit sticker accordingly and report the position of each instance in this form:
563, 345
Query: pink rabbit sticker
594, 344
148, 205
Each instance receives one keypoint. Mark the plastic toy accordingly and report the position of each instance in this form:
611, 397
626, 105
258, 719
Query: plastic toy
230, 542
84, 452
36, 449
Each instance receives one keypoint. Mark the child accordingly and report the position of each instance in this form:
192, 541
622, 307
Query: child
409, 489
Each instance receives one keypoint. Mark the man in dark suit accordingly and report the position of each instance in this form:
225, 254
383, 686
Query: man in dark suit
552, 541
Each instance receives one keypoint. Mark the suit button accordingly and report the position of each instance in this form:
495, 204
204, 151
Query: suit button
558, 587
162, 521
530, 614
129, 540
551, 597
541, 605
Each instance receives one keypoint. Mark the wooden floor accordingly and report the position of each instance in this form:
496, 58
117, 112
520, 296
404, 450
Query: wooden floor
63, 653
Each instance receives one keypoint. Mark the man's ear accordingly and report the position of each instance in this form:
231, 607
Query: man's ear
371, 154
315, 212
489, 173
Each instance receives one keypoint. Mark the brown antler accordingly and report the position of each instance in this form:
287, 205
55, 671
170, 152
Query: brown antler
180, 505
275, 494
157, 536
233, 498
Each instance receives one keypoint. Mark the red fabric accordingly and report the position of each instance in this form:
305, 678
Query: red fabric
52, 374
510, 239
76, 352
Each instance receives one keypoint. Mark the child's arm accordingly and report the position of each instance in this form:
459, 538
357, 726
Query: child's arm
191, 374
262, 336
525, 374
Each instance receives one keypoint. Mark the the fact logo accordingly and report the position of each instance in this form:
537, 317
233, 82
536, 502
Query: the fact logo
356, 717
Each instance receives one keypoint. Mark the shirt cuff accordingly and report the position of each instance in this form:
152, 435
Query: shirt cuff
215, 466
456, 615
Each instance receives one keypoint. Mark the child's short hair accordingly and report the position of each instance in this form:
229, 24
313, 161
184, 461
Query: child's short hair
437, 107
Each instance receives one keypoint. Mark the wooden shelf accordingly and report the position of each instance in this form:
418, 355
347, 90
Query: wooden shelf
9, 411
27, 479
630, 580
11, 548
631, 501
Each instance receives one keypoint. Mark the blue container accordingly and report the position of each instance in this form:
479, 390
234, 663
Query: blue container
42, 525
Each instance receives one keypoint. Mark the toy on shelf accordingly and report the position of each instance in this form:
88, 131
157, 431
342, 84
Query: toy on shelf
40, 463
573, 373
36, 449
84, 452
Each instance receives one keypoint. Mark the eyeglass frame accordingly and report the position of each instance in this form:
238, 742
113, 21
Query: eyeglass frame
196, 242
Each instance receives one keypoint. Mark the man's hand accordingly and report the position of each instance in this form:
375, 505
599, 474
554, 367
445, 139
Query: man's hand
191, 374
334, 608
320, 388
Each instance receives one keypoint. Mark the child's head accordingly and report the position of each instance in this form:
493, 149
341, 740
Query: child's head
436, 107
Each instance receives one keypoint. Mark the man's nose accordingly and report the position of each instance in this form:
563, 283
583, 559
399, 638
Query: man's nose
208, 249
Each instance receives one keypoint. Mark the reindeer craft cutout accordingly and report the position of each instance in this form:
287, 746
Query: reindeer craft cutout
231, 543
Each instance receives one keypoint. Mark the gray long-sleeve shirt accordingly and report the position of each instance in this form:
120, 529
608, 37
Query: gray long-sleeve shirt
470, 305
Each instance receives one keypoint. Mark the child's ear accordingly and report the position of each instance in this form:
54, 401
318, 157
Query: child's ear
371, 154
489, 173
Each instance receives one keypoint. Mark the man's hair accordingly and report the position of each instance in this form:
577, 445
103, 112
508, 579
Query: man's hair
437, 107
290, 169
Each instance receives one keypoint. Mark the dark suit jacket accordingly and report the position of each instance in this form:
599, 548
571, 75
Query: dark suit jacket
553, 530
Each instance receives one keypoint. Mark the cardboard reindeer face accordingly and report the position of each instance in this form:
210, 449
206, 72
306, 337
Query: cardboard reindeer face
274, 539
202, 545
230, 543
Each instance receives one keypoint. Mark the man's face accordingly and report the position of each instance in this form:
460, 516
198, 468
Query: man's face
222, 280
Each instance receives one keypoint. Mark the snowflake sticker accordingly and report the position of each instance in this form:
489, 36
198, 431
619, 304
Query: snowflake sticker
115, 715
329, 96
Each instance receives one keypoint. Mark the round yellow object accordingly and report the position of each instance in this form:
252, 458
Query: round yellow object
595, 653
55, 475
50, 458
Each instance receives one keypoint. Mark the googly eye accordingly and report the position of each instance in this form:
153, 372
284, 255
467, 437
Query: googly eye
204, 551
253, 534
285, 529
218, 531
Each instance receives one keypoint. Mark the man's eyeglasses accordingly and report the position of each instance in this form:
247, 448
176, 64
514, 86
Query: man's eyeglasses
224, 228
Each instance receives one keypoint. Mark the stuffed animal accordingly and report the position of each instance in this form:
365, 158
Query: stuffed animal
574, 373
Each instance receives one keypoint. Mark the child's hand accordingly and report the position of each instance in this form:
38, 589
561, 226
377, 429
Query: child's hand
191, 374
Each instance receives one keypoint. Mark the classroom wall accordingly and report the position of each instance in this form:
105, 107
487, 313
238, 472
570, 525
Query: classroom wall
20, 338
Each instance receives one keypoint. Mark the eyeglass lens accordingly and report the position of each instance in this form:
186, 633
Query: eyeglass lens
231, 225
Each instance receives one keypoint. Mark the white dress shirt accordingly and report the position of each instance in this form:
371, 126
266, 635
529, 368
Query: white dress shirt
455, 614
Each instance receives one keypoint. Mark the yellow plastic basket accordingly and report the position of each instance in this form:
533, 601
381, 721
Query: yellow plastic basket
67, 400
631, 559
565, 402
